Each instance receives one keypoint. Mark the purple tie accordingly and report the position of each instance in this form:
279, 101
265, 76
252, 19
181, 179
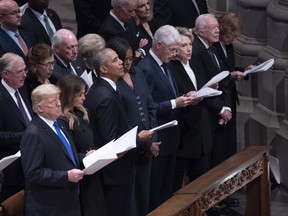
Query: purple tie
21, 108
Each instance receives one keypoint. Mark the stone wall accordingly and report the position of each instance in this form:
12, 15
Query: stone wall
263, 111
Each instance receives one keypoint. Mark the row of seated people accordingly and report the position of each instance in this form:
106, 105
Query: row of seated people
184, 149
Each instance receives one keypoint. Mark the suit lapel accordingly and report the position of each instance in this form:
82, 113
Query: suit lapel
162, 76
54, 19
78, 67
13, 106
24, 96
223, 57
10, 43
57, 140
117, 26
189, 4
183, 78
37, 23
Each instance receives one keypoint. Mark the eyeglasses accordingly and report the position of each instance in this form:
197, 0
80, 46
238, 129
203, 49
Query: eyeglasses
48, 65
19, 72
172, 51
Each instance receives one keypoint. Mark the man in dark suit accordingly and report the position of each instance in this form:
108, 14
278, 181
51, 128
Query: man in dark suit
40, 20
178, 14
108, 121
120, 23
49, 159
65, 48
158, 72
90, 15
11, 38
206, 56
12, 121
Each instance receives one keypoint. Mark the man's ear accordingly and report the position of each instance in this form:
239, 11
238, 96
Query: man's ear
39, 108
117, 8
200, 32
158, 45
103, 69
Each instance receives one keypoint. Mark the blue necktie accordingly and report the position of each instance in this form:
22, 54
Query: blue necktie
65, 142
166, 71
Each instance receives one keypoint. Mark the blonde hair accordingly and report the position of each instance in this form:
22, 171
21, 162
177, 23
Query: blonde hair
140, 2
41, 93
89, 44
185, 32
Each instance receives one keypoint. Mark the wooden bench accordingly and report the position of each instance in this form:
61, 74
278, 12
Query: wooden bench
248, 168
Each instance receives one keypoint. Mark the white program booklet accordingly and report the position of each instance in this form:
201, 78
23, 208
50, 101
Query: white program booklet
166, 125
207, 92
217, 78
108, 153
262, 67
6, 161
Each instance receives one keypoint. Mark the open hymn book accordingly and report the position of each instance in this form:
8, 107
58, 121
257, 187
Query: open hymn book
6, 161
108, 153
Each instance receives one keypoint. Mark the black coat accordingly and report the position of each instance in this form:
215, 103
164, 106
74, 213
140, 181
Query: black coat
45, 162
111, 28
175, 13
30, 23
196, 137
12, 127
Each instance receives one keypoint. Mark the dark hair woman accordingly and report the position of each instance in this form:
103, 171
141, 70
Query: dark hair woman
75, 119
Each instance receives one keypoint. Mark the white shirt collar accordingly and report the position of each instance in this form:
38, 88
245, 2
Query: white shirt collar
111, 82
39, 15
117, 19
205, 44
159, 62
8, 88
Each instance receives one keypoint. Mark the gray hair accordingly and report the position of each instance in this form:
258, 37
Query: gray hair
90, 44
202, 21
167, 34
59, 35
100, 58
41, 93
7, 61
119, 2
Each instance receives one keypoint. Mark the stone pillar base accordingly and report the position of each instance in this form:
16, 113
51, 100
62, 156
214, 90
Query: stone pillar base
280, 151
261, 126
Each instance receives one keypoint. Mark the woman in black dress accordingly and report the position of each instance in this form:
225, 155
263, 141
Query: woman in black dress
144, 14
138, 103
76, 120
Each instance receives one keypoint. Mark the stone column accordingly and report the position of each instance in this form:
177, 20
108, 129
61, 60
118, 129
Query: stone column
217, 7
275, 99
232, 6
252, 41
